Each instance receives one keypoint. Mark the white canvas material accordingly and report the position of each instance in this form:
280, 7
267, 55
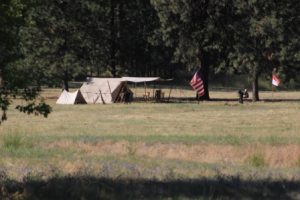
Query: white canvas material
101, 90
140, 79
71, 98
108, 90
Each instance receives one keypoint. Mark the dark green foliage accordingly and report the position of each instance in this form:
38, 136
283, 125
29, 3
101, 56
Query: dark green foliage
70, 39
257, 34
195, 30
16, 80
242, 37
38, 109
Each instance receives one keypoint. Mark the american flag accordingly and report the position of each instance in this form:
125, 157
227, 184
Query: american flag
275, 80
197, 83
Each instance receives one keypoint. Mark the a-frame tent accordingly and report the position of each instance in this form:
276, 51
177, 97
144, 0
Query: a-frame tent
71, 98
102, 90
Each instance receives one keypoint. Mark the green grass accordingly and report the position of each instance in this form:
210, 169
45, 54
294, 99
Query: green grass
12, 141
183, 139
173, 139
257, 160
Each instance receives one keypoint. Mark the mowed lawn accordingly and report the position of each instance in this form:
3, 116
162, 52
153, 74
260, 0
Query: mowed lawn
157, 140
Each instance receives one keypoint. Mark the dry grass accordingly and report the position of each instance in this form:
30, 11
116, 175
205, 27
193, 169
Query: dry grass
189, 139
278, 156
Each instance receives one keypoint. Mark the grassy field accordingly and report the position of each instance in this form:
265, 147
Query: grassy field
162, 142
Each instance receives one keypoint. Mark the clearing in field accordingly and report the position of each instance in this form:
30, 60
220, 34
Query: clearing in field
182, 145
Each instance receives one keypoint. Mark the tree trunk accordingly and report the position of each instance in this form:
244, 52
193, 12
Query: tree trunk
98, 70
121, 46
1, 78
255, 96
112, 38
205, 74
66, 80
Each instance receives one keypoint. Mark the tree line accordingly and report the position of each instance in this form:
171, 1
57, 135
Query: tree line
52, 42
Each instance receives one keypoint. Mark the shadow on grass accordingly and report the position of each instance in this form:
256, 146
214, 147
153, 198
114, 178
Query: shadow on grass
86, 187
250, 100
188, 100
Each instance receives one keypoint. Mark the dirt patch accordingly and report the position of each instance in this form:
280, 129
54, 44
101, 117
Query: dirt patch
99, 148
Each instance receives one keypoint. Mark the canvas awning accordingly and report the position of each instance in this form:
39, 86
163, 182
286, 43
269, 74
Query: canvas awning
140, 79
143, 79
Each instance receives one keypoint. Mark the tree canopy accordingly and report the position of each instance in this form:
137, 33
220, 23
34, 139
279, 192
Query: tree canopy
15, 79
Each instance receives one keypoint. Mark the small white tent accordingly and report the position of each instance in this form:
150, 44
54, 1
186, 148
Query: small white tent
102, 90
71, 98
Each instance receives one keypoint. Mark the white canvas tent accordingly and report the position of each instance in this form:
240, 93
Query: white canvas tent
71, 98
102, 90
109, 90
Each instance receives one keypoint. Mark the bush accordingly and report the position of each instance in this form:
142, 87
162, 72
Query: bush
12, 141
257, 160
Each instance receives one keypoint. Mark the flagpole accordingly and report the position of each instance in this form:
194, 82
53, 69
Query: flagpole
272, 92
275, 82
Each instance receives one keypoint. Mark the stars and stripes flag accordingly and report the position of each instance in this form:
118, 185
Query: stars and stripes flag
197, 83
275, 80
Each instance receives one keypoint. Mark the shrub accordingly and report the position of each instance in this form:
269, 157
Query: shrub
12, 141
257, 160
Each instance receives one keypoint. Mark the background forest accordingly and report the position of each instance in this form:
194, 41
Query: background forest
54, 42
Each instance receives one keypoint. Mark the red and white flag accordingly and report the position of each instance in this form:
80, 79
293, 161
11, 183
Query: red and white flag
275, 80
197, 83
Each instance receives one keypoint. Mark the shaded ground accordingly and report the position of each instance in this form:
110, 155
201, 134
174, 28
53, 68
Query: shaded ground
250, 100
191, 99
86, 187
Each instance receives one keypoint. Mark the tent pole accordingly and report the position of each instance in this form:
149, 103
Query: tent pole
109, 89
135, 90
95, 100
272, 92
153, 92
145, 91
101, 97
145, 87
170, 93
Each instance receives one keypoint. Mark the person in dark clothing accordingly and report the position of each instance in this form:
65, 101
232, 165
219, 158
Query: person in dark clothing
243, 95
158, 95
127, 95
